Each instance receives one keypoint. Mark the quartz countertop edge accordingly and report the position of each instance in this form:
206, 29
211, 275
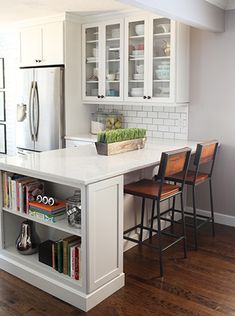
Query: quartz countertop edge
82, 165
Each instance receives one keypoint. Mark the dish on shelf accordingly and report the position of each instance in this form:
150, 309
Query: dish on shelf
138, 52
137, 92
140, 69
139, 29
163, 28
139, 76
162, 74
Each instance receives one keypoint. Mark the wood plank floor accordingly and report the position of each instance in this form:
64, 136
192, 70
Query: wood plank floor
201, 285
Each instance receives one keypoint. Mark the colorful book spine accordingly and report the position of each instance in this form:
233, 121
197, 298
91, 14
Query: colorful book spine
77, 261
59, 244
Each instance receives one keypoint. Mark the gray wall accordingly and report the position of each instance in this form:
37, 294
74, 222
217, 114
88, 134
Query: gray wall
212, 108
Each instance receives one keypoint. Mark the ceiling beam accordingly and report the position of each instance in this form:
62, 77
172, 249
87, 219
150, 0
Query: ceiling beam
197, 13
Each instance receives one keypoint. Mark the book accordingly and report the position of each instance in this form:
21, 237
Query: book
45, 252
41, 210
75, 250
77, 262
70, 246
46, 207
4, 186
54, 256
59, 244
66, 241
47, 218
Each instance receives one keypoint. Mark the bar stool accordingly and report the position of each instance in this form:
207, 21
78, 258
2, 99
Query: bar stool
158, 190
205, 153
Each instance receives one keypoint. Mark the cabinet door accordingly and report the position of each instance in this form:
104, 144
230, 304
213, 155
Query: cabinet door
30, 46
162, 74
52, 39
92, 71
136, 56
113, 61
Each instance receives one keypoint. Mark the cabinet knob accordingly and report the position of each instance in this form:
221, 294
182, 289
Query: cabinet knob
144, 97
149, 97
98, 96
102, 96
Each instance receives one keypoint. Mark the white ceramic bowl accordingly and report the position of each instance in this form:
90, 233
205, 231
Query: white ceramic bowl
138, 76
111, 77
163, 28
162, 74
139, 29
138, 52
137, 92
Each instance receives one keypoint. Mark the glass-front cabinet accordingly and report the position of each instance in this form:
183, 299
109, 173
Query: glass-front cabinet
149, 63
103, 61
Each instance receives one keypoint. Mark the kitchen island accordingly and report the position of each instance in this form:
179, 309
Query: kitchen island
100, 179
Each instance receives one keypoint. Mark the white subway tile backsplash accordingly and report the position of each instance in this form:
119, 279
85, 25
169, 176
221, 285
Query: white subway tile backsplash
163, 115
159, 121
148, 120
163, 128
152, 114
142, 114
174, 115
169, 122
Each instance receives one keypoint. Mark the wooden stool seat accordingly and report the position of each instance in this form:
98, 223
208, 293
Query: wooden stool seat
159, 190
150, 189
190, 177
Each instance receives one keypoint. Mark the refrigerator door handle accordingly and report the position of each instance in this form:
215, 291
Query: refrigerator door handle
36, 112
30, 110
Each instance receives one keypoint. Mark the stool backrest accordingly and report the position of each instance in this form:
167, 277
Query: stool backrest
174, 161
205, 153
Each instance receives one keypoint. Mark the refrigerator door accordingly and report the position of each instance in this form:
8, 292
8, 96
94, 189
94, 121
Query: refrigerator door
24, 132
48, 106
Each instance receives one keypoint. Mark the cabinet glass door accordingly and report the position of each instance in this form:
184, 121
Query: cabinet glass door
92, 56
112, 60
161, 58
136, 59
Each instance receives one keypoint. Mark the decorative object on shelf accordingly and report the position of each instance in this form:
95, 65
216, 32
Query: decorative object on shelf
113, 120
46, 200
28, 240
3, 145
98, 122
110, 77
47, 212
163, 28
166, 48
2, 106
73, 209
120, 141
139, 29
140, 69
2, 75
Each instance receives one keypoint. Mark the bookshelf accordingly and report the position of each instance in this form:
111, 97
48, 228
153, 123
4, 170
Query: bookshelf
98, 278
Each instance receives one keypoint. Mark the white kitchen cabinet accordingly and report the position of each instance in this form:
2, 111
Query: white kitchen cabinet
42, 45
156, 60
102, 60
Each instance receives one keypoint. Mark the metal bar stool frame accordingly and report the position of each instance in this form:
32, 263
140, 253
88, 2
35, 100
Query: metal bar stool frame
168, 165
205, 153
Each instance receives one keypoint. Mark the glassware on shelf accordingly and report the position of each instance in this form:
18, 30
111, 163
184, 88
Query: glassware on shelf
73, 209
114, 120
98, 121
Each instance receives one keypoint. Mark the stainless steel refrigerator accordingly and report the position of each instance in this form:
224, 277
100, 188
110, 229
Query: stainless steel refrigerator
40, 115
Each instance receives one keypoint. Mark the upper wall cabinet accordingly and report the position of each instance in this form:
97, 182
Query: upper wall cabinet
103, 61
155, 61
42, 45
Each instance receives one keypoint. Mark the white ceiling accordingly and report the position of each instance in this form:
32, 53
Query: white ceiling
224, 4
16, 10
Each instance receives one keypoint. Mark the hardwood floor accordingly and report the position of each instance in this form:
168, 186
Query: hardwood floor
203, 284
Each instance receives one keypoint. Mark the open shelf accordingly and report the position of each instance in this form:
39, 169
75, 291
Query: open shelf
162, 57
136, 36
61, 225
161, 34
113, 39
32, 263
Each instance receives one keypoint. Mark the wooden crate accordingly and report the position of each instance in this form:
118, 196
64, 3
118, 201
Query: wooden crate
120, 147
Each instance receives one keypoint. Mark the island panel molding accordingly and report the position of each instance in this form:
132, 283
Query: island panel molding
3, 147
2, 75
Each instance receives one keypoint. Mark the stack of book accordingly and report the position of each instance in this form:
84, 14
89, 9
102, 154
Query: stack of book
46, 212
19, 190
63, 255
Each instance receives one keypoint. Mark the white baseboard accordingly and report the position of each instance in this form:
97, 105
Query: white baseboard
219, 218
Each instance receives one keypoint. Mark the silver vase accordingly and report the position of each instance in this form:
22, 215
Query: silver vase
28, 241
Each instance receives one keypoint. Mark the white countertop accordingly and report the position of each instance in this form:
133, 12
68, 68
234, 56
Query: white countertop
82, 137
82, 165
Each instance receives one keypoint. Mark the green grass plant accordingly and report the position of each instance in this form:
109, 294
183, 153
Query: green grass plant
119, 135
